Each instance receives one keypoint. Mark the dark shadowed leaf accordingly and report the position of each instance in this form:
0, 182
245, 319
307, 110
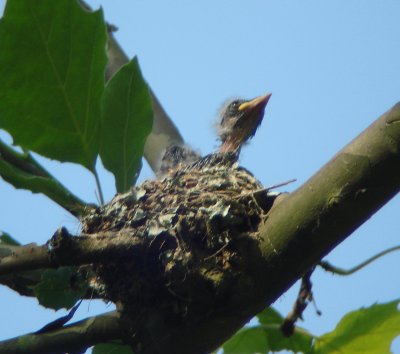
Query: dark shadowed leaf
52, 61
365, 331
60, 288
127, 118
110, 348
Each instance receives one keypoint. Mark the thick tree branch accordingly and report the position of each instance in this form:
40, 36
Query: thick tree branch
23, 282
345, 193
20, 282
69, 339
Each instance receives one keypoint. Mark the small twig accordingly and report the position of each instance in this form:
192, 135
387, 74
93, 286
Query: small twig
219, 251
265, 190
22, 171
340, 271
23, 161
281, 184
304, 297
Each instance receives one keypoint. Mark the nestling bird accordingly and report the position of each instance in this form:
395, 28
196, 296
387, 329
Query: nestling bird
176, 157
239, 120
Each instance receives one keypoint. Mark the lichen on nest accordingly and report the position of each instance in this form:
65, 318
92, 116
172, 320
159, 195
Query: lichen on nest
199, 227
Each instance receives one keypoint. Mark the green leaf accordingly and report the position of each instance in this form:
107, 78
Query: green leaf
264, 338
52, 62
60, 288
112, 348
6, 239
270, 316
268, 337
248, 340
127, 118
367, 331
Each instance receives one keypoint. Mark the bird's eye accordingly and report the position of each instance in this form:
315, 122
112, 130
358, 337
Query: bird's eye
235, 104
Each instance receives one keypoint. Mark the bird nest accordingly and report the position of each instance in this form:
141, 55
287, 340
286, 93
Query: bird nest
199, 231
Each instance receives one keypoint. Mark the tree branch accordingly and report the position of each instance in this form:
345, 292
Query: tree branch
22, 171
333, 203
65, 249
76, 337
22, 282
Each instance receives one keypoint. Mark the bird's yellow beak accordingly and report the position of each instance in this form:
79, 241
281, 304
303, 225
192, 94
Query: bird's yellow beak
259, 102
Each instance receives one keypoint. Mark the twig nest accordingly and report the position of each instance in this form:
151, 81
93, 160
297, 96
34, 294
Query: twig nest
199, 227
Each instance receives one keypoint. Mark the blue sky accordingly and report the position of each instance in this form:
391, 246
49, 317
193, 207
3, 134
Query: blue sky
332, 66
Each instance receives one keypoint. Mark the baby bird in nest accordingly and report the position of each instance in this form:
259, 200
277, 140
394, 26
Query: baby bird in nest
239, 121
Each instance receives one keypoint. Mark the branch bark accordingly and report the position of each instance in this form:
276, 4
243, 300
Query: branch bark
65, 249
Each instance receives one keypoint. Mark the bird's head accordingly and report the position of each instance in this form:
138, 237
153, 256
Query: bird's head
239, 122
